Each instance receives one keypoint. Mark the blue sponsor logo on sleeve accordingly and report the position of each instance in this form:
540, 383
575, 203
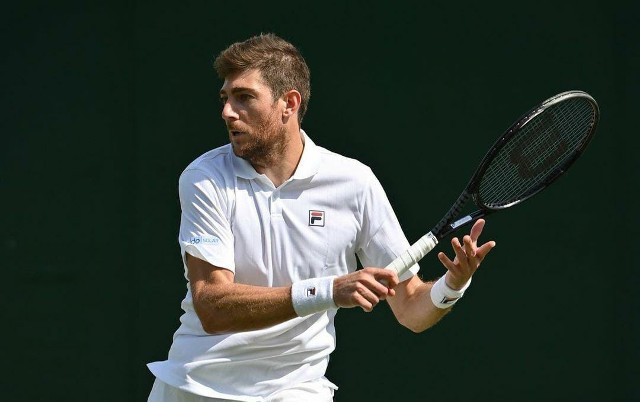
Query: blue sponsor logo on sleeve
204, 240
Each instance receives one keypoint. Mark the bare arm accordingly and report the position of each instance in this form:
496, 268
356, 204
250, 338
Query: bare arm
412, 303
225, 306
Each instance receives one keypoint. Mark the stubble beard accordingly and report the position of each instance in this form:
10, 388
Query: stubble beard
267, 143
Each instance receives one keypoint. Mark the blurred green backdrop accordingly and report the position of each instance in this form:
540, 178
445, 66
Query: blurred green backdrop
105, 103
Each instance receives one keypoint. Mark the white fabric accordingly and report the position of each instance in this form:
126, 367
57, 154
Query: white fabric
313, 295
312, 391
443, 296
236, 219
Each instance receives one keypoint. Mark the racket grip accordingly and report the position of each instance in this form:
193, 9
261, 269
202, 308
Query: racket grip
413, 254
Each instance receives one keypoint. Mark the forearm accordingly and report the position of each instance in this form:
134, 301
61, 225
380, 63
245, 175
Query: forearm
419, 305
233, 307
413, 307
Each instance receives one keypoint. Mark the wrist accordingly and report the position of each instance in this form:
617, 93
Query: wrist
443, 296
312, 295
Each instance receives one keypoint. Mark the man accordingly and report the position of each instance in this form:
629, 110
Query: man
271, 225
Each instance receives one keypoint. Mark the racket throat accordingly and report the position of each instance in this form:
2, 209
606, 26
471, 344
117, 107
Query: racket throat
460, 222
464, 221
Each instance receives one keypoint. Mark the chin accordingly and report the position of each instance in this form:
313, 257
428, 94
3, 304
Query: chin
237, 149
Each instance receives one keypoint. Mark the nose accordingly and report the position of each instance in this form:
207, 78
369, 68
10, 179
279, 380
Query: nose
228, 113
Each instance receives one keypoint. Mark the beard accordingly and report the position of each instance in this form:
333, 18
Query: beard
263, 144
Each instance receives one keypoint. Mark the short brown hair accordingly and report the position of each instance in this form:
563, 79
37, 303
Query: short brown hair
280, 63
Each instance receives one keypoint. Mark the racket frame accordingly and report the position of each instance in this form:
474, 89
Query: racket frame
474, 184
447, 225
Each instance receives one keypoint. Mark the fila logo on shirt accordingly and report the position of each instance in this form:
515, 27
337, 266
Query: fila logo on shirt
316, 218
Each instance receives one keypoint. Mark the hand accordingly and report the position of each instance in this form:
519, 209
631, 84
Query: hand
364, 288
468, 257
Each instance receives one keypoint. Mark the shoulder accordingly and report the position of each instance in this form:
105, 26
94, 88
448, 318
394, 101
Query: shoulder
214, 164
340, 165
215, 159
211, 173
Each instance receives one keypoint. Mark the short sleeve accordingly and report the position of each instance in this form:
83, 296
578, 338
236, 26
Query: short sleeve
205, 229
382, 239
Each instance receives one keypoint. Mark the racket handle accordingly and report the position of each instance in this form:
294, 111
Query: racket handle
413, 254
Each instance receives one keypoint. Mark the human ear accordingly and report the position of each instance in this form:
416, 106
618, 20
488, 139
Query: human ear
292, 101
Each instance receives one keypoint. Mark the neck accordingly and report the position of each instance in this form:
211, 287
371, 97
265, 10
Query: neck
280, 166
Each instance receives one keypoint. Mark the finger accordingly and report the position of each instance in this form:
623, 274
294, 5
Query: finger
389, 276
469, 246
455, 279
369, 299
448, 264
368, 283
483, 250
362, 302
476, 230
457, 248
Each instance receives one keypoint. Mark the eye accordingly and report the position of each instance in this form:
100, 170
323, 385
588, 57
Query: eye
244, 97
223, 99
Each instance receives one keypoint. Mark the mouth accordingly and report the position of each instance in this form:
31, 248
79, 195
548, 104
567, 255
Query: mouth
235, 133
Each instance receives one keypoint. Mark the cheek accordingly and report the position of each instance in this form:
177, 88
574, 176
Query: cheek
266, 119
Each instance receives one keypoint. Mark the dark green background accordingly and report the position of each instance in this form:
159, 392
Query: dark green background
103, 105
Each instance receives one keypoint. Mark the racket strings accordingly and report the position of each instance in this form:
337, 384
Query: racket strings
536, 152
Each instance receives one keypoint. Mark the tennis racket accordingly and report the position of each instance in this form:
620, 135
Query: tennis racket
533, 153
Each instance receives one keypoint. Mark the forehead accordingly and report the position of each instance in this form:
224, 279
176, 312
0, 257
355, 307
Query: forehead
250, 79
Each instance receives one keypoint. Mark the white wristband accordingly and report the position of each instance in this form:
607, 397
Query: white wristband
313, 295
443, 296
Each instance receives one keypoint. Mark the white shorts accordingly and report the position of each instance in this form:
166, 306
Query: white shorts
312, 391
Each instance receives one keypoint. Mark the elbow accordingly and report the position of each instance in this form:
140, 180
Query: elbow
213, 328
213, 321
417, 330
415, 327
421, 323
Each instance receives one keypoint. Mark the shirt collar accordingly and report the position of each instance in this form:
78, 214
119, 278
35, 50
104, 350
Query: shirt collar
241, 167
308, 166
310, 160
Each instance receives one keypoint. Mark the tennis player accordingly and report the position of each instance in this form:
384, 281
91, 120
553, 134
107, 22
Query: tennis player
270, 229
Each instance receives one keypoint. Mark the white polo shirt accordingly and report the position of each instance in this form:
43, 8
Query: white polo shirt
313, 225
